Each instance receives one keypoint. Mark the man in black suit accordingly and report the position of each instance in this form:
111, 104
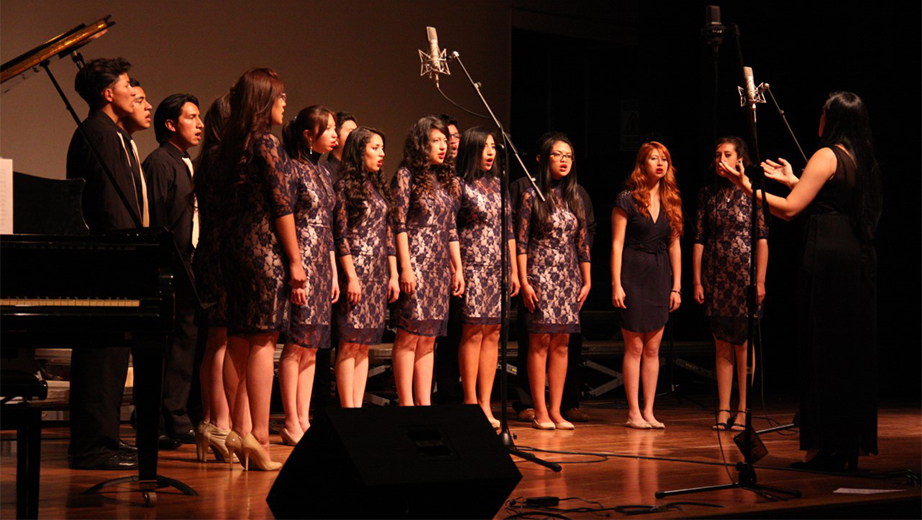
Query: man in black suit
98, 374
168, 171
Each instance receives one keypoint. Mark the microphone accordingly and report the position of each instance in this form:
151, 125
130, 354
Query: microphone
435, 62
750, 95
713, 30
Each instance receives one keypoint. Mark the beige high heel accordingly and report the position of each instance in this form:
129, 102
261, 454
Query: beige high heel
234, 444
217, 440
252, 449
287, 438
202, 438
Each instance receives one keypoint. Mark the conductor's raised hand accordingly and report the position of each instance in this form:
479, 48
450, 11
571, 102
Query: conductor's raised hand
780, 171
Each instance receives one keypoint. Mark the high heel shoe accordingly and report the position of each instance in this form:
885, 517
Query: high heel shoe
217, 441
739, 422
233, 443
202, 436
287, 438
723, 426
252, 449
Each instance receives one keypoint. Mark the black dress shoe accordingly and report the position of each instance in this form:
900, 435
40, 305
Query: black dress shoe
124, 446
165, 442
186, 437
119, 461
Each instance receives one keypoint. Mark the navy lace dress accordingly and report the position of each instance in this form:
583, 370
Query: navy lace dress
313, 198
555, 248
479, 231
256, 268
723, 217
430, 224
370, 241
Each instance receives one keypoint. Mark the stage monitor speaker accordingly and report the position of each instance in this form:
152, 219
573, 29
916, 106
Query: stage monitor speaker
406, 462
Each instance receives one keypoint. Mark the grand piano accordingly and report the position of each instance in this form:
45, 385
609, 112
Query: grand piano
61, 287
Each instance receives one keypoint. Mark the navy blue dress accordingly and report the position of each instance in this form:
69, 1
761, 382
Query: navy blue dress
256, 268
646, 274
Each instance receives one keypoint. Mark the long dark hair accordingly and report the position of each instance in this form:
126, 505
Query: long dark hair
470, 153
416, 159
848, 124
313, 119
251, 101
354, 175
571, 196
206, 173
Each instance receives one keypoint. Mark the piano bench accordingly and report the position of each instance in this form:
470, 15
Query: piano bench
27, 420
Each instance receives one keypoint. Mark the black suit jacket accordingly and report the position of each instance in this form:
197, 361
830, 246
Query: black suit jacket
102, 207
169, 192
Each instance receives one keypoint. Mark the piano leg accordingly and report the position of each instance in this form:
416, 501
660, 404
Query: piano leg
148, 389
28, 458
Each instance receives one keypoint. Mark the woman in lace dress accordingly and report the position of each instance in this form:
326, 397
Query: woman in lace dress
482, 233
310, 134
426, 205
721, 275
553, 257
364, 234
262, 259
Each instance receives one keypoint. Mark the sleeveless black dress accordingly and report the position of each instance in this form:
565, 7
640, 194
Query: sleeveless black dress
837, 296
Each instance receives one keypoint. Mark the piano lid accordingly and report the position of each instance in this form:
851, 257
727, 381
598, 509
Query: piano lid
61, 45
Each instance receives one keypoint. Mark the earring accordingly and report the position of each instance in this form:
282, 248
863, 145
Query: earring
310, 146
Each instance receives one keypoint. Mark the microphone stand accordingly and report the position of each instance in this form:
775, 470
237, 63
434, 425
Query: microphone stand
785, 119
505, 435
746, 469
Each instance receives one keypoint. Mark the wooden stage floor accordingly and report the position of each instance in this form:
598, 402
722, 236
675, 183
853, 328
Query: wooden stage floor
636, 465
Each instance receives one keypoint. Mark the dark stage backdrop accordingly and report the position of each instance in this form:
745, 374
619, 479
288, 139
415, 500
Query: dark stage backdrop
609, 74
651, 76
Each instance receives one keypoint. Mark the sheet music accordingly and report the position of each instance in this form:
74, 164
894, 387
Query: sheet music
6, 196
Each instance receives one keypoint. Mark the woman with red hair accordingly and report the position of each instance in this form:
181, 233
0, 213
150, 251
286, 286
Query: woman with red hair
646, 268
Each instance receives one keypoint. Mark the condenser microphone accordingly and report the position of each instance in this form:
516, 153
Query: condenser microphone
435, 62
751, 94
713, 30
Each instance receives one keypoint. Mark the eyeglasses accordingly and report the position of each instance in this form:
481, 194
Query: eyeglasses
283, 96
562, 156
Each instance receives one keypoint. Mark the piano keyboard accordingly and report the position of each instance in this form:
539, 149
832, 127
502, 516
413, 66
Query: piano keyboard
67, 302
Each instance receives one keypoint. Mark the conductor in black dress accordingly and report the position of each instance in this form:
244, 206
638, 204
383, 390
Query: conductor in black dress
168, 171
98, 374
